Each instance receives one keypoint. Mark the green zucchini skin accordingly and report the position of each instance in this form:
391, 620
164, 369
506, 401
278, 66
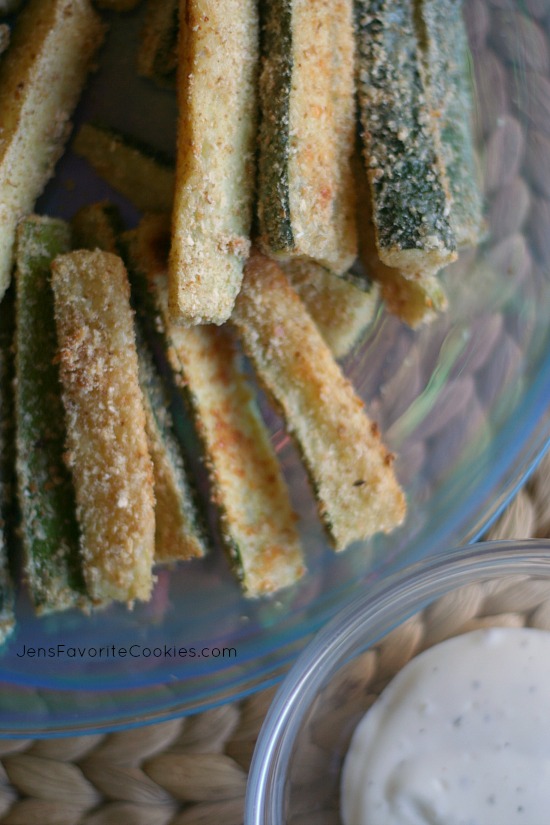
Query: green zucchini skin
275, 83
49, 528
257, 523
411, 204
307, 132
179, 533
7, 460
444, 45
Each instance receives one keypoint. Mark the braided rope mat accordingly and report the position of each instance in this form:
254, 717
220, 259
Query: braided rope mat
189, 771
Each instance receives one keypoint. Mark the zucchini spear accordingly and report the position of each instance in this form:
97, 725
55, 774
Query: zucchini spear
409, 190
49, 530
340, 310
41, 77
416, 301
158, 47
257, 521
7, 596
212, 217
306, 198
178, 533
349, 466
444, 47
107, 445
139, 174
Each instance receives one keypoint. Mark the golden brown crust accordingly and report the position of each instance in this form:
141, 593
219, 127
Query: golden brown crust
258, 523
106, 440
41, 76
340, 310
350, 468
212, 215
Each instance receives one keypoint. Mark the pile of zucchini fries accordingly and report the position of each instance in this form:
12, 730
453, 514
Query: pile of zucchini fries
248, 242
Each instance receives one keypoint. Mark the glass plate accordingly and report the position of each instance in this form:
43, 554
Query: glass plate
462, 402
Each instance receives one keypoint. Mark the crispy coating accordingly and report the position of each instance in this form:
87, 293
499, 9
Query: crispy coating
411, 202
41, 77
178, 534
307, 133
212, 217
417, 299
350, 468
106, 439
340, 310
257, 519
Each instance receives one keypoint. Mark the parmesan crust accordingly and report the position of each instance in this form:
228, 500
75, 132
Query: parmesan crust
41, 77
322, 126
106, 439
350, 468
218, 53
306, 195
417, 299
257, 519
340, 310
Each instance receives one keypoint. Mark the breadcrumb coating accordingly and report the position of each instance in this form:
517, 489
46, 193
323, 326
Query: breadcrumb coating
106, 440
350, 468
341, 310
212, 216
41, 77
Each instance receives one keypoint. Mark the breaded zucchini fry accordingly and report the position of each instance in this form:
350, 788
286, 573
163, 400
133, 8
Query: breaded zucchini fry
416, 301
49, 529
178, 532
340, 310
409, 189
257, 521
7, 596
41, 77
158, 47
106, 439
97, 226
349, 466
444, 48
212, 217
146, 179
307, 132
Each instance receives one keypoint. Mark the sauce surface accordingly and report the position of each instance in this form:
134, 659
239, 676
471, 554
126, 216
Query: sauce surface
461, 736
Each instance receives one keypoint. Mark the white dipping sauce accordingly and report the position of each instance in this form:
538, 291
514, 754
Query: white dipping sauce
461, 736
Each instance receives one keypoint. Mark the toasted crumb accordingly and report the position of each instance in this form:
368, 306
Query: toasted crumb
41, 77
349, 465
106, 439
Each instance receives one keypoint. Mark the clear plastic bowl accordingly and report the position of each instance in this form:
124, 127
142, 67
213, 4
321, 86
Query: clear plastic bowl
294, 778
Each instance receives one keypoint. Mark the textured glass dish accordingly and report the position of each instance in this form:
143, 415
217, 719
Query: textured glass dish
462, 403
295, 774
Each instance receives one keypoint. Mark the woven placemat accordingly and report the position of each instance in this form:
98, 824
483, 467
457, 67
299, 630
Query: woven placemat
189, 771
